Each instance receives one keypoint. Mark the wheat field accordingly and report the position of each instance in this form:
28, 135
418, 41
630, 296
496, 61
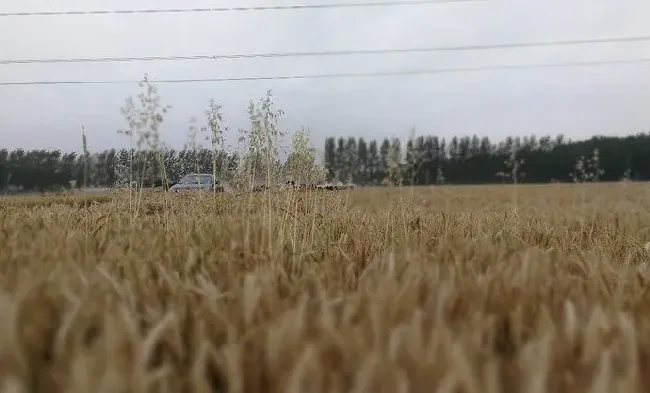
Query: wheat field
438, 289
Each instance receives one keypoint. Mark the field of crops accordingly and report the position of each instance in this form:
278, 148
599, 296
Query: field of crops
449, 289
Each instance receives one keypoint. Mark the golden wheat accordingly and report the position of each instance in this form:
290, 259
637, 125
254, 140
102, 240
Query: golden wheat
449, 289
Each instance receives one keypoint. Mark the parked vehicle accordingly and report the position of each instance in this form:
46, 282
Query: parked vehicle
335, 186
198, 181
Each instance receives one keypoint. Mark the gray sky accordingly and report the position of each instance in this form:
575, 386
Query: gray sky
578, 102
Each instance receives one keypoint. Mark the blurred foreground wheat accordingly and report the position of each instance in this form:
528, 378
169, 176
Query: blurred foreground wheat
379, 290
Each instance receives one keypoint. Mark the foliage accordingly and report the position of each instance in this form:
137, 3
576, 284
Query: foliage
301, 164
627, 157
589, 169
216, 137
52, 170
144, 118
474, 160
260, 161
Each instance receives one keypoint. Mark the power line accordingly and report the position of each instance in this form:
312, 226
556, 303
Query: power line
341, 75
236, 9
324, 53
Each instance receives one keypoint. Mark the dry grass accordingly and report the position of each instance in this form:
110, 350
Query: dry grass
375, 290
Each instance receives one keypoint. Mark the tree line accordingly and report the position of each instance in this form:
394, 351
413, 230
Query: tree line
426, 160
52, 169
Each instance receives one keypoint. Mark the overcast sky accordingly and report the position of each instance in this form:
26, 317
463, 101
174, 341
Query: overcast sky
578, 102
